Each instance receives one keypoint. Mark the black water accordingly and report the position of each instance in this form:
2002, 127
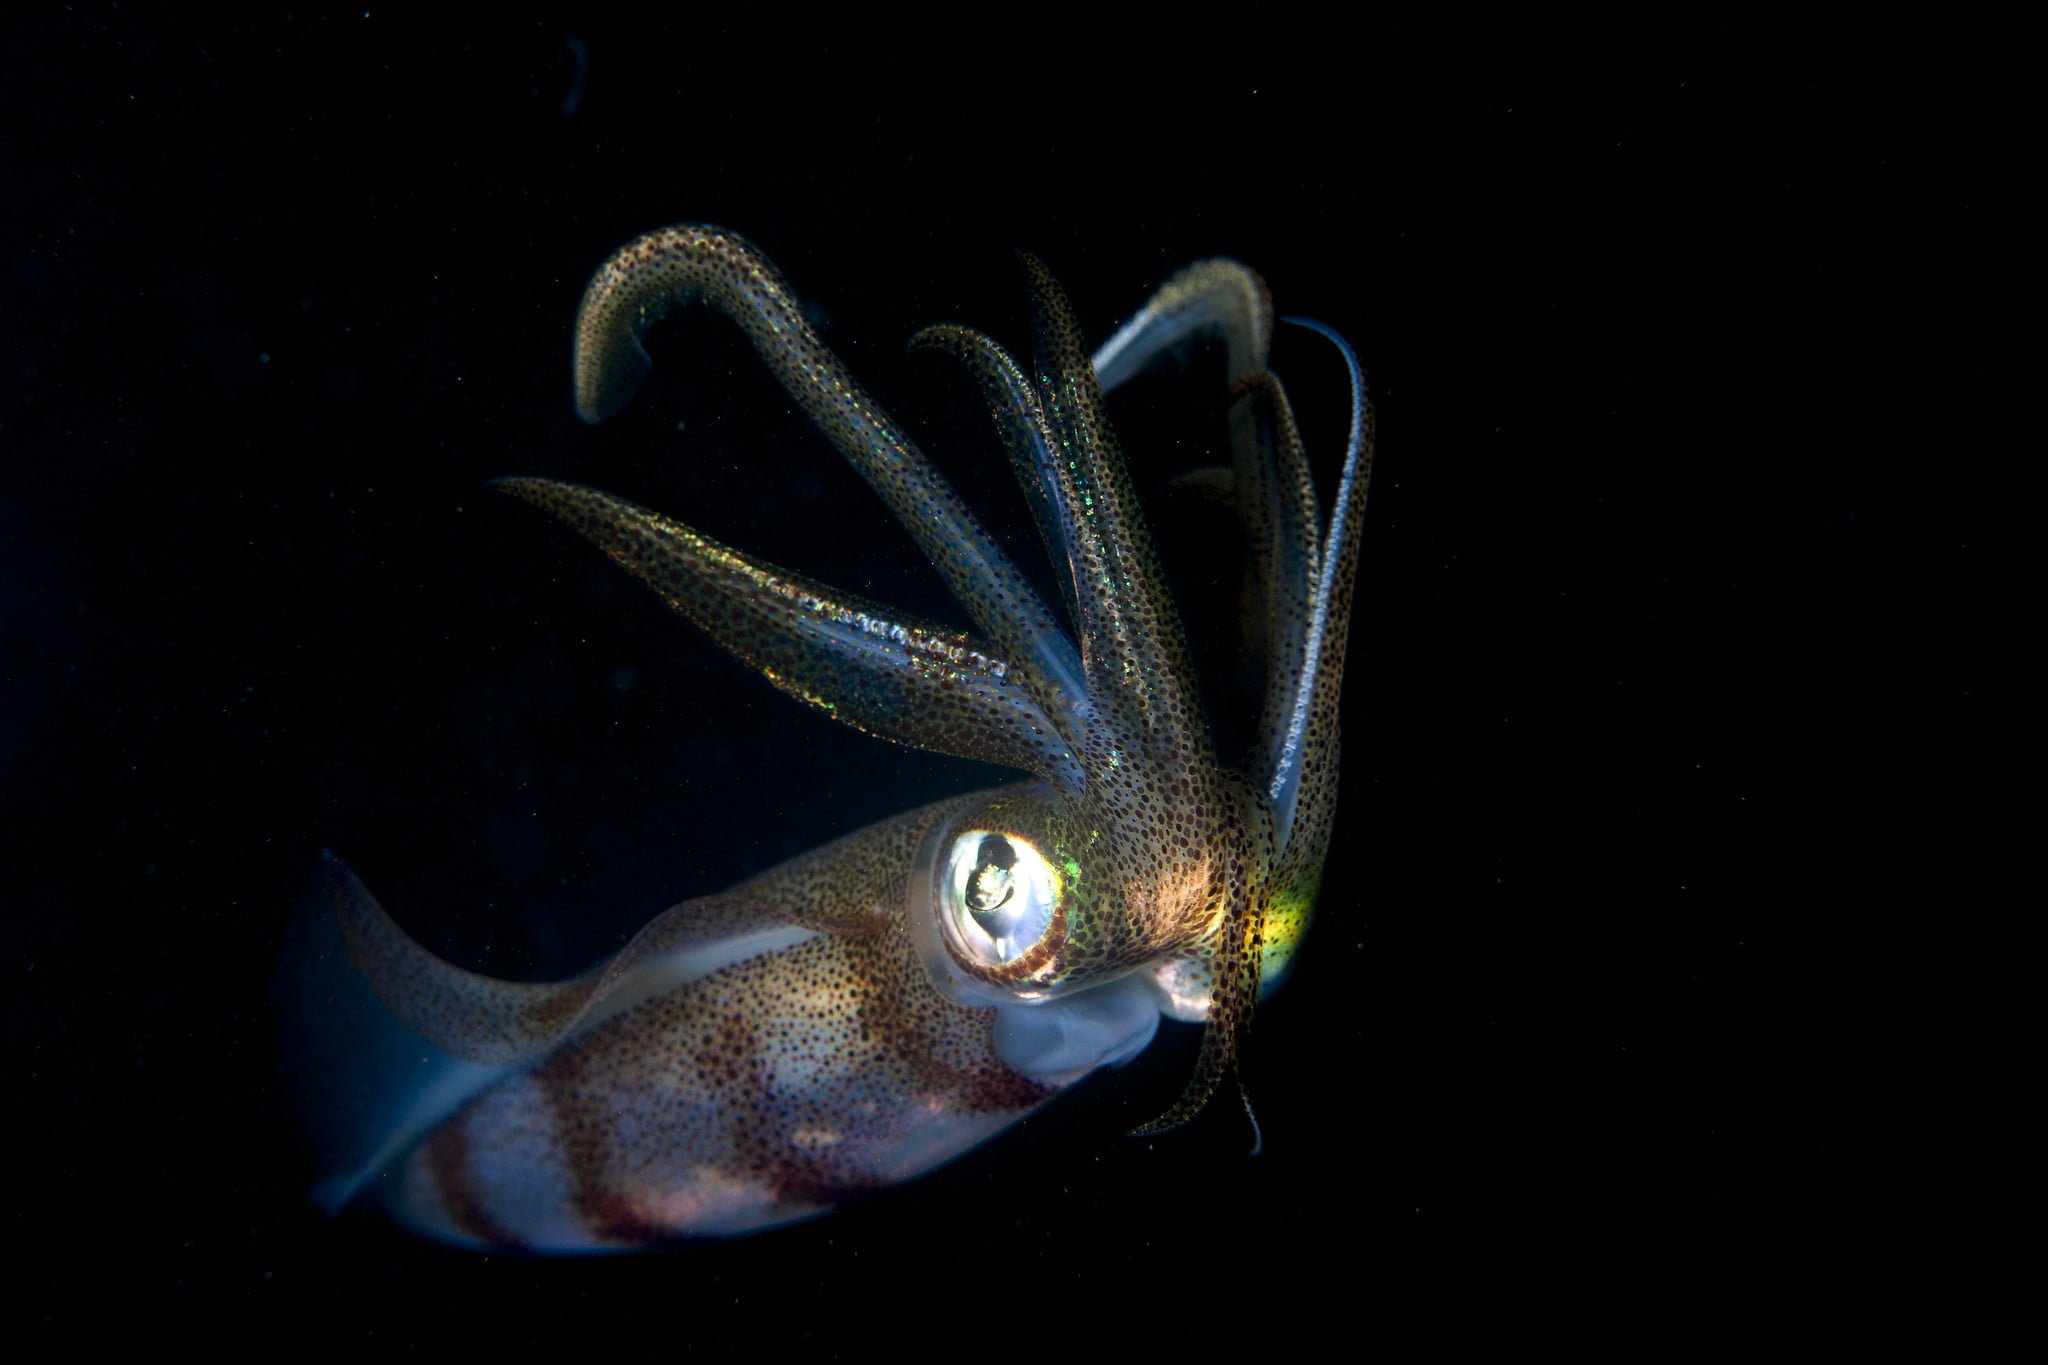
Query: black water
1590, 1007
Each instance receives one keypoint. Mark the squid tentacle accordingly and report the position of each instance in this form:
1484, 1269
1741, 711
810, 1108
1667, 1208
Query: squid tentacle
864, 664
1026, 436
1134, 652
1274, 494
1276, 501
1220, 295
1306, 587
644, 280
1306, 776
1232, 960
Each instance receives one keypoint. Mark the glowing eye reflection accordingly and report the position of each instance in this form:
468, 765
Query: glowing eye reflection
997, 896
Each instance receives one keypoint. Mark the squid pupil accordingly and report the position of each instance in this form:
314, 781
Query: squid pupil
993, 884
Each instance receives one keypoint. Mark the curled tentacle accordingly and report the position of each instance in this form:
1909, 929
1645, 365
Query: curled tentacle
1219, 295
1304, 782
644, 280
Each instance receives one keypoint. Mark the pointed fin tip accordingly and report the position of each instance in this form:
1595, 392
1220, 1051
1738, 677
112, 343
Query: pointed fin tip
361, 1084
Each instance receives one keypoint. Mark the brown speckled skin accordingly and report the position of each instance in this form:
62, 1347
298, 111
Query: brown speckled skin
756, 1056
761, 1093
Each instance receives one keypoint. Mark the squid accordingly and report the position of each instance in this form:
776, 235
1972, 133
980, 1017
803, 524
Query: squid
871, 1009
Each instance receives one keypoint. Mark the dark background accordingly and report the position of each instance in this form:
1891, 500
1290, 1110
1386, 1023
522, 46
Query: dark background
1671, 614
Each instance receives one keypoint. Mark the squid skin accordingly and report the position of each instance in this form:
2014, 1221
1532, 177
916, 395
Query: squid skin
874, 1008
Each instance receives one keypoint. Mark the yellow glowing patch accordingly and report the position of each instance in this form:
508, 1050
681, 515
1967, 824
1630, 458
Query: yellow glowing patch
1281, 927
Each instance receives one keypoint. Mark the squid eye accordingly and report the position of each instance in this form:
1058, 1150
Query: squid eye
998, 894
